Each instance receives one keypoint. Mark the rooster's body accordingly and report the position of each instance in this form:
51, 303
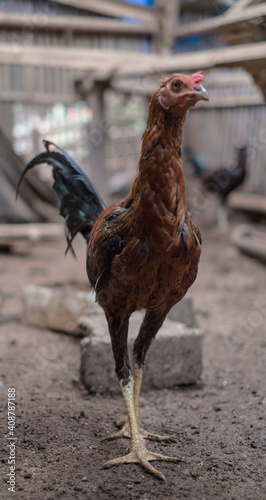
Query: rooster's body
143, 253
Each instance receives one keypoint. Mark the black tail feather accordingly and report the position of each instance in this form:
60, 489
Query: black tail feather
80, 203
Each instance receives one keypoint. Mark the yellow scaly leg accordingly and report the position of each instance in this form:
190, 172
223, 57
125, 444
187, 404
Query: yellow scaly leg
138, 454
125, 430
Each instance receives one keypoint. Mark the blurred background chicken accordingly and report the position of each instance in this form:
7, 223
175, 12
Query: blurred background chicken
143, 252
221, 180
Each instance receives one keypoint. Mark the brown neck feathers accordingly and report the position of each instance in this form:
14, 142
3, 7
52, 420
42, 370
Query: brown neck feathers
158, 191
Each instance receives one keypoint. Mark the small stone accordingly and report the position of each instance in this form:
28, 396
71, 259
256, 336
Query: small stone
54, 397
27, 475
194, 473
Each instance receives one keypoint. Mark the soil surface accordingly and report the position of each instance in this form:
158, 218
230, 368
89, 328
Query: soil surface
218, 425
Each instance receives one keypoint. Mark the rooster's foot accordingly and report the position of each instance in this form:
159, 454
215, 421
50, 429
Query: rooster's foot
125, 432
143, 457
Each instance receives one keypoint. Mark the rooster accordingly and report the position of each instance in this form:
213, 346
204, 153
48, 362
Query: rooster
143, 252
222, 180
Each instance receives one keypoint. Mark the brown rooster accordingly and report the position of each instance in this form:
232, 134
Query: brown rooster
143, 253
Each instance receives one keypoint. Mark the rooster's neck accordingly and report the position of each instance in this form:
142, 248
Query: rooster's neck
158, 191
167, 126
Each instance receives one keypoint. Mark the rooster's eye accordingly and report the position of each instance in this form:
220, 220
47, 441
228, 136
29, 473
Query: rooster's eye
176, 85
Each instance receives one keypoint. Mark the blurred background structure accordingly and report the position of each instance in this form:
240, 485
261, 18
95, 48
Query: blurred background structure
80, 73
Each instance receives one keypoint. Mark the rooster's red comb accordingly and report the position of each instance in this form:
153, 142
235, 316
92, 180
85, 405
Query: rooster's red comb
197, 77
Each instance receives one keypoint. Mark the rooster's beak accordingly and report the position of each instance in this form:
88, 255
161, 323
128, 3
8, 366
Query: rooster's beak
201, 93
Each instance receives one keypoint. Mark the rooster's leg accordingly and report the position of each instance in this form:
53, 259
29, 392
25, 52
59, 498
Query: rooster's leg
150, 326
124, 424
138, 374
138, 454
152, 322
222, 217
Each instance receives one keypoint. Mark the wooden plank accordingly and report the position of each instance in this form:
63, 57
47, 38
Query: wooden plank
97, 139
129, 63
85, 85
248, 203
116, 8
168, 20
6, 119
37, 97
37, 22
67, 57
9, 211
228, 56
214, 23
238, 6
239, 38
250, 241
238, 27
11, 166
30, 233
235, 56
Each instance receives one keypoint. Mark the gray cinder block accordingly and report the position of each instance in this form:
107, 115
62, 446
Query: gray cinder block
175, 357
58, 307
183, 312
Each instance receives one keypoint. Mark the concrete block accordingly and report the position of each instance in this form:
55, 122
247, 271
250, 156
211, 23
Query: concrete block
58, 307
25, 235
175, 357
183, 312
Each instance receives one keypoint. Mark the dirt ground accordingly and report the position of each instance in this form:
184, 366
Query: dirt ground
218, 425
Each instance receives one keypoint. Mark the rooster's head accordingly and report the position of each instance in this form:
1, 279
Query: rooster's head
180, 92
